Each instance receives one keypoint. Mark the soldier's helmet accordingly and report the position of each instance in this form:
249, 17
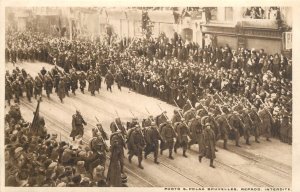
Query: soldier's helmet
207, 125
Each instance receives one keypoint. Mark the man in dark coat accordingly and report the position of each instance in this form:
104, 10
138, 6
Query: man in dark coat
115, 169
119, 80
267, 122
61, 89
210, 144
196, 130
91, 87
168, 134
74, 82
77, 125
38, 87
8, 91
48, 85
183, 133
136, 144
236, 125
152, 138
82, 81
29, 87
255, 123
109, 79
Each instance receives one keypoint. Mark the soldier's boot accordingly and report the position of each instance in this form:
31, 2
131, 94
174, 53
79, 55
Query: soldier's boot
212, 163
129, 158
73, 138
247, 141
200, 158
268, 139
175, 149
155, 160
225, 144
184, 151
140, 164
256, 140
48, 95
145, 156
161, 152
170, 154
237, 144
216, 150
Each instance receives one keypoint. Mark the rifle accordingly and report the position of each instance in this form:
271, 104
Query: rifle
162, 111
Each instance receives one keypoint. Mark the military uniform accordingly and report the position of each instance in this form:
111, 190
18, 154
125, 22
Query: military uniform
115, 169
74, 82
237, 126
224, 128
29, 87
168, 134
255, 123
109, 79
152, 138
210, 144
91, 87
77, 125
82, 81
98, 145
196, 130
38, 87
8, 92
266, 122
247, 125
48, 85
61, 89
182, 137
136, 144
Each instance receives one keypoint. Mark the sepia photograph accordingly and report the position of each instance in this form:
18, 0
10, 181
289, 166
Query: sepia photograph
171, 97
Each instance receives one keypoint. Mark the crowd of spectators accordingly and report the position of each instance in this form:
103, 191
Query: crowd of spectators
174, 69
33, 161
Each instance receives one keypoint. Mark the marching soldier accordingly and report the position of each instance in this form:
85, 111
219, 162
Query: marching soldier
133, 123
91, 87
237, 126
29, 87
210, 144
136, 144
116, 165
17, 90
168, 134
247, 124
74, 82
67, 84
109, 79
48, 85
196, 130
8, 91
61, 89
152, 138
119, 80
224, 126
38, 87
77, 125
182, 136
266, 122
82, 81
98, 146
255, 123
98, 80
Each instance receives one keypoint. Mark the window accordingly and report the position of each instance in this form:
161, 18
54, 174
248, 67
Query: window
228, 14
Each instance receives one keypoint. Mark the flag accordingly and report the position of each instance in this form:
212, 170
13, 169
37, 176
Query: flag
35, 122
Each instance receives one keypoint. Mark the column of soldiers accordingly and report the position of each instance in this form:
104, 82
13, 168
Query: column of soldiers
19, 82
